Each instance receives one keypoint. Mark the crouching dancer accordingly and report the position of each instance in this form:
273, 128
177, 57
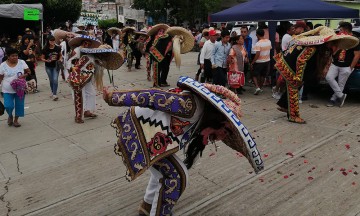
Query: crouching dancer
159, 123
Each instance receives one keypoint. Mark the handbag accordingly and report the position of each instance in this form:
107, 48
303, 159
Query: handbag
236, 79
2, 109
19, 86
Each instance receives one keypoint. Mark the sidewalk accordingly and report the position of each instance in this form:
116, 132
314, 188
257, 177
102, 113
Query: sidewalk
53, 166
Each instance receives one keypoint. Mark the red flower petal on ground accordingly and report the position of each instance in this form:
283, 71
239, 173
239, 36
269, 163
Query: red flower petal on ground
347, 146
212, 154
310, 178
266, 155
353, 183
349, 170
285, 176
344, 173
342, 169
290, 154
239, 154
313, 168
305, 161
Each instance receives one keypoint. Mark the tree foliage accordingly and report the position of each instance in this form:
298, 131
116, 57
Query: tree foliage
185, 10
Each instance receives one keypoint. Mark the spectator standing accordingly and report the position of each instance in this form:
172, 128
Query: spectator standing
50, 55
344, 62
238, 56
206, 54
219, 58
261, 62
31, 63
290, 31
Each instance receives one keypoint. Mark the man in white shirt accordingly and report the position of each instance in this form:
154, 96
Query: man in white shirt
205, 55
290, 30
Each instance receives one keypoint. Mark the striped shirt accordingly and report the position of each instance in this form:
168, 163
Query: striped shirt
263, 46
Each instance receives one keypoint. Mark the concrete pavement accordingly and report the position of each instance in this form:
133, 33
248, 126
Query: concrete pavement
52, 166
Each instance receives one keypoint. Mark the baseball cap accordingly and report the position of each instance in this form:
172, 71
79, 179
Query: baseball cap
212, 33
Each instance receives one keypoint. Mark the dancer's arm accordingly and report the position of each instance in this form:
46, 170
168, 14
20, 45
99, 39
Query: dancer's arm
182, 105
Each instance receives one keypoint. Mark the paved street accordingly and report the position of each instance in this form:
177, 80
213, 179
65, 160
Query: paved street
53, 166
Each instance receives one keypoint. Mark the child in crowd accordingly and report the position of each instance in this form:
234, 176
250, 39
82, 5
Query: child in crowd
32, 80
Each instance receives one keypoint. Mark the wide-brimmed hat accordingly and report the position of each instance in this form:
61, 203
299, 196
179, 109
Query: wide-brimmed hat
240, 138
112, 29
60, 34
323, 34
128, 28
205, 30
156, 28
142, 32
76, 41
110, 58
187, 39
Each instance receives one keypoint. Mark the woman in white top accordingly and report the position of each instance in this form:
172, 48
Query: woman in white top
115, 40
10, 70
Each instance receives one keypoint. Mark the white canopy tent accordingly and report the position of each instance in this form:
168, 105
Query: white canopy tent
16, 11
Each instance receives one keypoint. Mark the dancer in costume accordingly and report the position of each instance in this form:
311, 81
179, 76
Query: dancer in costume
312, 50
80, 75
159, 123
152, 33
172, 42
139, 50
129, 45
115, 34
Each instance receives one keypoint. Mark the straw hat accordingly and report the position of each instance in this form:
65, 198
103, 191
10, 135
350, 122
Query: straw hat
144, 33
76, 41
112, 29
110, 58
156, 28
187, 38
128, 28
60, 34
240, 138
205, 30
323, 34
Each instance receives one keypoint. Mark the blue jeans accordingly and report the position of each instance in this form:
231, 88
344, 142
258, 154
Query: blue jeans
53, 75
11, 101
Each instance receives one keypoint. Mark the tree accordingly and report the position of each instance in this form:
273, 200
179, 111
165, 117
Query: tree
154, 8
185, 10
59, 11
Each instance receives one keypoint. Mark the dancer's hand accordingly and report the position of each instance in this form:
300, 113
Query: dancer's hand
106, 93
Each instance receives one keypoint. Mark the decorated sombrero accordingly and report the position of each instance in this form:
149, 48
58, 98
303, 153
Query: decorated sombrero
323, 34
82, 32
112, 29
142, 32
76, 41
240, 139
61, 34
128, 28
156, 28
110, 58
187, 39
